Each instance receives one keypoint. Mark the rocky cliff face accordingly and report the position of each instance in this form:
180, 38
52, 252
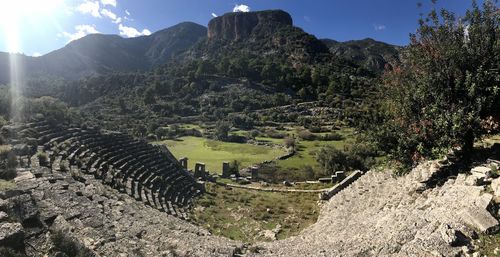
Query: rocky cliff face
238, 26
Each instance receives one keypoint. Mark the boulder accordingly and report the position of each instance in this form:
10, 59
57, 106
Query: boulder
495, 186
481, 172
11, 235
479, 219
3, 216
471, 181
23, 207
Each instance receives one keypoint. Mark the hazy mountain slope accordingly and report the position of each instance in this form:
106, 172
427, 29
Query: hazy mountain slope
100, 53
368, 53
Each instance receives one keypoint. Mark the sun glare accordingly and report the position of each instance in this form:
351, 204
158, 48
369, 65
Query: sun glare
15, 13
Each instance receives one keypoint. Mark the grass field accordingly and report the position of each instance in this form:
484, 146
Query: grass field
245, 215
306, 150
213, 153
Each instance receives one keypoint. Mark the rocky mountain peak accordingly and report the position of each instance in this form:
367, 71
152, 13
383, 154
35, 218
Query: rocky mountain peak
239, 25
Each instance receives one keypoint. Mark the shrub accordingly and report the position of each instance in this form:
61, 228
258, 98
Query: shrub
275, 134
333, 137
290, 142
8, 174
42, 158
306, 135
445, 86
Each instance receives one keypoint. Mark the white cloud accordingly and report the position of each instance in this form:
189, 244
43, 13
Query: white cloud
127, 12
132, 32
214, 15
307, 18
81, 31
109, 2
241, 8
111, 15
89, 7
36, 54
379, 27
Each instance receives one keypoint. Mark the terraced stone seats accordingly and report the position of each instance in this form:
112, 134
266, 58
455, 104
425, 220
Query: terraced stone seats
148, 173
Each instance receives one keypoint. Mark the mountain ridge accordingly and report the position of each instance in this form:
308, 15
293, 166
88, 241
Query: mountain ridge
263, 33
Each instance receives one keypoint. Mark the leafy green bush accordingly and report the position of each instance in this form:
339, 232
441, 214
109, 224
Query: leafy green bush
446, 85
306, 135
332, 137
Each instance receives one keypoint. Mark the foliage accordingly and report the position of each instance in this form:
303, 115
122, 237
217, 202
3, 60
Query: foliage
306, 135
355, 156
222, 129
447, 83
242, 214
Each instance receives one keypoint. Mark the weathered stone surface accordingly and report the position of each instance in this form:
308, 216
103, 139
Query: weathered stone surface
3, 216
239, 25
11, 235
479, 219
472, 180
382, 215
23, 208
21, 149
495, 186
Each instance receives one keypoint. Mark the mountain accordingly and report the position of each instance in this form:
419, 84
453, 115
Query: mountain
264, 34
98, 53
240, 25
368, 53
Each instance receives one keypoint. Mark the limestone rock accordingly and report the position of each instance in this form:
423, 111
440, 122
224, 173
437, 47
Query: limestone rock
472, 180
23, 208
239, 25
3, 216
495, 186
60, 224
11, 235
481, 172
480, 219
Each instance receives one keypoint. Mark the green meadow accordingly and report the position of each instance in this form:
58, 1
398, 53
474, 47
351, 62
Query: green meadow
213, 153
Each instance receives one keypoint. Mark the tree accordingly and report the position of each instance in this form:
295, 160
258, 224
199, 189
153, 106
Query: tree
221, 130
149, 96
446, 84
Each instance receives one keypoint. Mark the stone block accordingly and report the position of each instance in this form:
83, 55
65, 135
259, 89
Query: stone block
479, 219
495, 186
11, 235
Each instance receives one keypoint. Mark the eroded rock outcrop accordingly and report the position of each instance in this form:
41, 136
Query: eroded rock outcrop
240, 25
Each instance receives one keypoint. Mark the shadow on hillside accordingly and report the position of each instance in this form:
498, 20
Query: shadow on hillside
454, 165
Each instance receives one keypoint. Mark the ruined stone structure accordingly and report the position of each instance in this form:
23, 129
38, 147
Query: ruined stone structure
226, 173
184, 162
199, 170
147, 173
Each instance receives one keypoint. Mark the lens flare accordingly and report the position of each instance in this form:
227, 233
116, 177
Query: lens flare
13, 15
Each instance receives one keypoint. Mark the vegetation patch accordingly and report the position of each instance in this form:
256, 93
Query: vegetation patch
489, 245
251, 216
6, 184
306, 150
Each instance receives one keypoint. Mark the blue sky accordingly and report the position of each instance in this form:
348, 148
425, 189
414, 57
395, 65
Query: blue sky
37, 27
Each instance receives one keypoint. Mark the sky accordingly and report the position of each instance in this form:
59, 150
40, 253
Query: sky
36, 27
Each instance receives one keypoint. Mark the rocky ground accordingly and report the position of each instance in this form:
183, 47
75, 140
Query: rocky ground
97, 219
378, 215
383, 215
